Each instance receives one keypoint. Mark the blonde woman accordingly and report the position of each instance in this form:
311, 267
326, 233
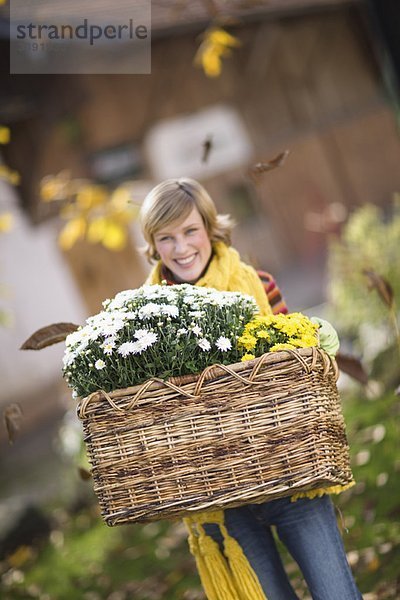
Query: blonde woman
190, 243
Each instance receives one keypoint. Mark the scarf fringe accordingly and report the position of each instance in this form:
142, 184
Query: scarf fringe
224, 576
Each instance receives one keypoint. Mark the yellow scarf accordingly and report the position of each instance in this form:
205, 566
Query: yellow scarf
228, 575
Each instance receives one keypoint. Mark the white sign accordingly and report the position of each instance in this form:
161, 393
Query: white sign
175, 147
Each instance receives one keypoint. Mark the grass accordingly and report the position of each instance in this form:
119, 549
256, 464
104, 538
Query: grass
86, 560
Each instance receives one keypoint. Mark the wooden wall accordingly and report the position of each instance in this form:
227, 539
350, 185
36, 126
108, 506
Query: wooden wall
308, 84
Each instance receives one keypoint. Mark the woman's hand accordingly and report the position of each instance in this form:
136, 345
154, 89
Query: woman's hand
328, 338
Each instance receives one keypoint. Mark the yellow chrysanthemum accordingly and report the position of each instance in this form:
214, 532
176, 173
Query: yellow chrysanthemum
279, 347
247, 357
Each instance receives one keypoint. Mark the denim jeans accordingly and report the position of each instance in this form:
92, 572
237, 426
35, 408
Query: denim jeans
309, 530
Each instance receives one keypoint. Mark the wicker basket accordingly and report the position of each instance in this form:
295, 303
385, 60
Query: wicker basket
250, 432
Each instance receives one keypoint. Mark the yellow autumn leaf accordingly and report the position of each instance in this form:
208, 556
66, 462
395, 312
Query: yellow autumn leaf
90, 196
211, 62
96, 230
220, 37
115, 236
72, 231
216, 45
6, 221
4, 131
9, 175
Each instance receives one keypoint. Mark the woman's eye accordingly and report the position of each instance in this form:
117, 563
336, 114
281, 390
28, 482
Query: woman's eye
190, 231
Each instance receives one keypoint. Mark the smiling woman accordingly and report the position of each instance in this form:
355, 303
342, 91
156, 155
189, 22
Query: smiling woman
191, 243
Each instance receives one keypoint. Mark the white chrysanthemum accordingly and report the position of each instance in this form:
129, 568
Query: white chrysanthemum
127, 348
108, 345
223, 343
149, 310
147, 338
196, 330
182, 331
204, 344
170, 310
99, 364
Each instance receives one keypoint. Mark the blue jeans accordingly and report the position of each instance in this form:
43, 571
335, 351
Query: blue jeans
309, 530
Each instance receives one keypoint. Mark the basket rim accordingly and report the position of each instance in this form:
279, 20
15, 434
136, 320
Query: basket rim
195, 381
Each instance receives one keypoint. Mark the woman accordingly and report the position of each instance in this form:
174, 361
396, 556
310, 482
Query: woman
191, 244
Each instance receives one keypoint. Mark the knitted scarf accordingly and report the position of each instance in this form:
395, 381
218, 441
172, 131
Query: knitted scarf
227, 575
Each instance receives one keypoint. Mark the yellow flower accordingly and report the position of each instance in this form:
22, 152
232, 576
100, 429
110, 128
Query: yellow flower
55, 187
9, 175
247, 341
90, 196
247, 357
72, 231
4, 131
279, 347
262, 334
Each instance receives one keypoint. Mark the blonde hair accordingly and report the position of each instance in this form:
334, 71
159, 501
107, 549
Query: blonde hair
173, 200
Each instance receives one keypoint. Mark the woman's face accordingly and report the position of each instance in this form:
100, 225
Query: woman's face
184, 247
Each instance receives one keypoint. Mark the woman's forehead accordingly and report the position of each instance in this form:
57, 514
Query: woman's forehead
191, 218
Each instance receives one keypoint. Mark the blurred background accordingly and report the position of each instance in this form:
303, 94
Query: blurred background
288, 112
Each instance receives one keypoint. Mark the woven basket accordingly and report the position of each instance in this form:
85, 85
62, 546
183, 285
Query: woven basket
250, 432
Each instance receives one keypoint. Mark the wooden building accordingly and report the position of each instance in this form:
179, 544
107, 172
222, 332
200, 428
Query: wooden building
305, 79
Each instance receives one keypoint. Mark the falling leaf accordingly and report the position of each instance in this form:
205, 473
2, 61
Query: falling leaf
12, 416
263, 167
84, 474
207, 147
352, 366
46, 336
381, 285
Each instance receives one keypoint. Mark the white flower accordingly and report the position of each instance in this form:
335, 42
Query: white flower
127, 348
108, 345
170, 310
181, 331
223, 344
196, 330
204, 344
147, 338
99, 364
148, 310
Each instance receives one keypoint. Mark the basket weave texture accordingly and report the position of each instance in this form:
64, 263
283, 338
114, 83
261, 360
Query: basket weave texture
250, 432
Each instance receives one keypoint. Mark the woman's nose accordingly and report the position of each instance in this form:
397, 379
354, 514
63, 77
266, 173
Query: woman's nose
180, 245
